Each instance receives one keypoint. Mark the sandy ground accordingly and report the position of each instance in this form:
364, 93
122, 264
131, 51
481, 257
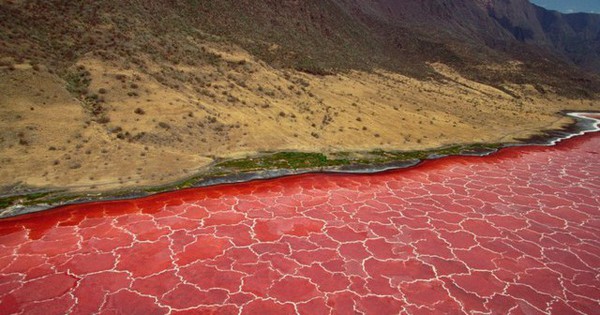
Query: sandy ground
156, 134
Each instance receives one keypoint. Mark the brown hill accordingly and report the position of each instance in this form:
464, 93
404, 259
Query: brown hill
318, 36
111, 94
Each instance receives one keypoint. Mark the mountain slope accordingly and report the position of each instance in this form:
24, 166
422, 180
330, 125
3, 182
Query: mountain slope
111, 94
476, 32
318, 35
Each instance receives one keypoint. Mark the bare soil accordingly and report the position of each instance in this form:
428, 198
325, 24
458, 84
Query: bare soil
128, 128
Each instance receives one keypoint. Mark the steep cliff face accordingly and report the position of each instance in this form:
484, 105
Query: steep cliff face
575, 36
555, 48
519, 18
460, 18
499, 24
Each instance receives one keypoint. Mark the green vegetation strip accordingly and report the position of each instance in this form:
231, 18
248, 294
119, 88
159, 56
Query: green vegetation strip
26, 199
262, 162
301, 160
282, 160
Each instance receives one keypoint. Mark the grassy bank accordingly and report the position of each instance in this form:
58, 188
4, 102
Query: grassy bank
261, 163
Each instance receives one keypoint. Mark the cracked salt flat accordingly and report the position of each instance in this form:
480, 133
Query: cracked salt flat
517, 232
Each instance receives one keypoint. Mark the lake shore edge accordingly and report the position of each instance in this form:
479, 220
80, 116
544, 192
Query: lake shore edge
244, 170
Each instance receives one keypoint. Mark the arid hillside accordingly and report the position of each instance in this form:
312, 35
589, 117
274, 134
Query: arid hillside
108, 95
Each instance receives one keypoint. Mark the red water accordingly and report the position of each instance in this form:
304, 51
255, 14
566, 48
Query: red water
517, 232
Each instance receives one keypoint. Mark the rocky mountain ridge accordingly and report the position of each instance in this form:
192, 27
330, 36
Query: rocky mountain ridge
496, 24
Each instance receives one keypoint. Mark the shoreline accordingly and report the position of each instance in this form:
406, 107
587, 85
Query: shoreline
20, 204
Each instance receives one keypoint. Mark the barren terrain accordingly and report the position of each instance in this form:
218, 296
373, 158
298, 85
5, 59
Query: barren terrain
105, 95
109, 126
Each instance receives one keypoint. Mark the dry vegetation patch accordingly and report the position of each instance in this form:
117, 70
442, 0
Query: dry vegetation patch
96, 96
106, 125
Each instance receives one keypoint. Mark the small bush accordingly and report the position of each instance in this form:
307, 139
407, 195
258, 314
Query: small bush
311, 66
164, 125
103, 120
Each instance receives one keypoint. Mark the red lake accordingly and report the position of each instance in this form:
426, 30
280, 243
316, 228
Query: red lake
516, 232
